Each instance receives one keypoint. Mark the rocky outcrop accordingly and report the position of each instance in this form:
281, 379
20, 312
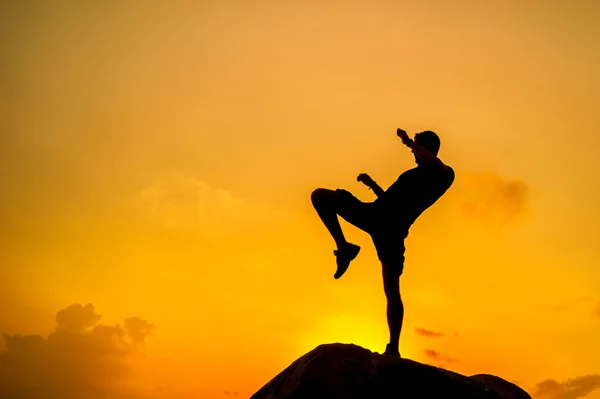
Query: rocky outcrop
344, 371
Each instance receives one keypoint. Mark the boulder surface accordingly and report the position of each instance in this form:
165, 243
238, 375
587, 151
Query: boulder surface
346, 371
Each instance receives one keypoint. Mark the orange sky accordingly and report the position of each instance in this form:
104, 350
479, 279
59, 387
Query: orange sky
158, 158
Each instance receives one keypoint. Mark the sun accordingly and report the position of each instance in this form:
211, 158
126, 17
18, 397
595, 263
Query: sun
369, 334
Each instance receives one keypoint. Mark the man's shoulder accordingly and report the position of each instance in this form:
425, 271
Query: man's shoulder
444, 175
416, 169
444, 170
412, 172
449, 176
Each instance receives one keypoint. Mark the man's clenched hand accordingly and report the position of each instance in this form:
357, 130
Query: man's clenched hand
365, 179
403, 136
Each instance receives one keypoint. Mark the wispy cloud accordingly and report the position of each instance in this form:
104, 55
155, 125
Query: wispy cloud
573, 388
492, 200
185, 203
435, 355
429, 333
573, 304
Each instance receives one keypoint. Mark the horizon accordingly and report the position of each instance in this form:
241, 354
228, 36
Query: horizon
158, 161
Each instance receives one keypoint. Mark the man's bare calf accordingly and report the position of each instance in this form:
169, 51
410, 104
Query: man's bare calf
329, 204
395, 307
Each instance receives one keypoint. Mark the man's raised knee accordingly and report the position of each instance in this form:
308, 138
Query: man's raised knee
319, 195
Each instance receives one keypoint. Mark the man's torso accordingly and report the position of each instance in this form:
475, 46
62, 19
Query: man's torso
412, 193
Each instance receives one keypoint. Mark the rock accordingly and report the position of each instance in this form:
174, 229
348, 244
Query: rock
345, 371
505, 389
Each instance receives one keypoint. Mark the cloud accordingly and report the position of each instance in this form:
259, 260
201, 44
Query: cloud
186, 203
435, 355
493, 201
429, 333
138, 329
77, 318
596, 311
81, 358
573, 305
569, 389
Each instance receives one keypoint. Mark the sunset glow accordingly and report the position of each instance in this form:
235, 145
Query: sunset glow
158, 159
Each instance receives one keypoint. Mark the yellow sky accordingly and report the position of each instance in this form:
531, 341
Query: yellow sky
158, 158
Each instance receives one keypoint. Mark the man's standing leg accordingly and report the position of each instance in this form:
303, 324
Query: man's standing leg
390, 251
331, 203
395, 307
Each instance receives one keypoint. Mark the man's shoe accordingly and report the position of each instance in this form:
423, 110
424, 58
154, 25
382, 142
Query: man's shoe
344, 256
391, 351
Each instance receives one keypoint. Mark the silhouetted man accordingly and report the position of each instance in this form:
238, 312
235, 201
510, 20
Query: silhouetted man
388, 218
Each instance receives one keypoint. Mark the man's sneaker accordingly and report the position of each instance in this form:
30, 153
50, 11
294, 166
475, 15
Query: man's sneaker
391, 351
344, 256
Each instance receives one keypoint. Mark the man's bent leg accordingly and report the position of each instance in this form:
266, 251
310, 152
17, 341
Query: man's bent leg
329, 204
395, 307
325, 203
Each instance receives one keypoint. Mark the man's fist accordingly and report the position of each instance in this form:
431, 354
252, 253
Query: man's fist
365, 179
404, 136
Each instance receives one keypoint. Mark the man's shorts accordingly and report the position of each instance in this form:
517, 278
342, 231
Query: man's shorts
387, 237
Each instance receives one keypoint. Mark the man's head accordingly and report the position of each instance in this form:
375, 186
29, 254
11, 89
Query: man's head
428, 140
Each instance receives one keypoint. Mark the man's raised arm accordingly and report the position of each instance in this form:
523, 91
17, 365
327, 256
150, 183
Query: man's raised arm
425, 156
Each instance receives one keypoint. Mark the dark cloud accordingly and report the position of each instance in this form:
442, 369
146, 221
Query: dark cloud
138, 329
81, 358
435, 355
493, 201
429, 333
597, 310
77, 318
569, 389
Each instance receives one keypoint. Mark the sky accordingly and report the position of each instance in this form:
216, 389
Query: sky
157, 160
